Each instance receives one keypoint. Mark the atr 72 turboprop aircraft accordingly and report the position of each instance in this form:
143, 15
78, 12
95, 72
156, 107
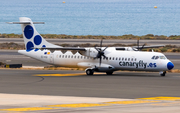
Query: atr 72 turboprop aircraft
94, 59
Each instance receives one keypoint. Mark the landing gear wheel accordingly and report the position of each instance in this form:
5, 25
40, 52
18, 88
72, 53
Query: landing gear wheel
109, 73
89, 72
164, 73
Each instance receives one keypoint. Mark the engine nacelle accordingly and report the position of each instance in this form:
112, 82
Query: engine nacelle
90, 52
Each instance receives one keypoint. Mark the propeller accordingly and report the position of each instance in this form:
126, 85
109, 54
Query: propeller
100, 53
140, 48
138, 44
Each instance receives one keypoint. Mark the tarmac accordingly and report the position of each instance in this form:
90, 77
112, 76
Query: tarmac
41, 91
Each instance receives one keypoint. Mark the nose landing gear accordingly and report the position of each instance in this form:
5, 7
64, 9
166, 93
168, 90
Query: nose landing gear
162, 73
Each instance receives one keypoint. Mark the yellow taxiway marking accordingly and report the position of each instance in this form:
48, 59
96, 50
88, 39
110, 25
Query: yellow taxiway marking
63, 75
76, 74
131, 102
154, 100
101, 104
79, 105
27, 109
167, 104
163, 98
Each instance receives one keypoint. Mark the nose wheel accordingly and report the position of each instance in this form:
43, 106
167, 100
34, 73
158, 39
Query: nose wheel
162, 73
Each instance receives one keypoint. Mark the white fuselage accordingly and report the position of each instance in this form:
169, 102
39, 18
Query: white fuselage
117, 60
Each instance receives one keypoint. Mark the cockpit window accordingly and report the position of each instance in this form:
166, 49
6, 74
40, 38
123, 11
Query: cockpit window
153, 57
162, 57
156, 57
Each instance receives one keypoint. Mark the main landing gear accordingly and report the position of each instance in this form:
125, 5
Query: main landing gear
91, 72
162, 73
109, 73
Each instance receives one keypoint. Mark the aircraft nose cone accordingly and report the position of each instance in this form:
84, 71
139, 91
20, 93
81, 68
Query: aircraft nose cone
170, 65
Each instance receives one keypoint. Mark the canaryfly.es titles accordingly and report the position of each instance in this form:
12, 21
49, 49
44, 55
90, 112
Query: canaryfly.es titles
137, 64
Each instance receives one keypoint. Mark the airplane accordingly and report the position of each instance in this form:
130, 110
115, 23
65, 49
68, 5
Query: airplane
93, 59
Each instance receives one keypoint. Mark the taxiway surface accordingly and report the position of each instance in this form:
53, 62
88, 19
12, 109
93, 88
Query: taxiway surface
41, 91
119, 85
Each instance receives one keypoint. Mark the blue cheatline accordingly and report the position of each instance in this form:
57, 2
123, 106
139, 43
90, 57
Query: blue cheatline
37, 39
170, 65
28, 31
29, 46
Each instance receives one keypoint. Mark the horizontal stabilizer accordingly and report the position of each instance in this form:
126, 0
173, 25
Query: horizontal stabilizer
25, 22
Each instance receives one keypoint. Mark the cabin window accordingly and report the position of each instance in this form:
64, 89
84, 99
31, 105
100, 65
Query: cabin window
122, 58
59, 56
131, 59
113, 58
119, 58
62, 56
135, 59
74, 56
66, 56
69, 56
128, 59
109, 58
125, 59
78, 57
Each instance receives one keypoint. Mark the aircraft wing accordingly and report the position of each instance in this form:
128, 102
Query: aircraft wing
154, 46
64, 48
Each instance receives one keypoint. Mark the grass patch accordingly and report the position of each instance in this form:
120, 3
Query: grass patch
127, 36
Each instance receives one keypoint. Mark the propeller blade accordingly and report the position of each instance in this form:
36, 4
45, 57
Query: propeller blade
105, 48
101, 43
105, 57
97, 49
100, 61
138, 44
143, 46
